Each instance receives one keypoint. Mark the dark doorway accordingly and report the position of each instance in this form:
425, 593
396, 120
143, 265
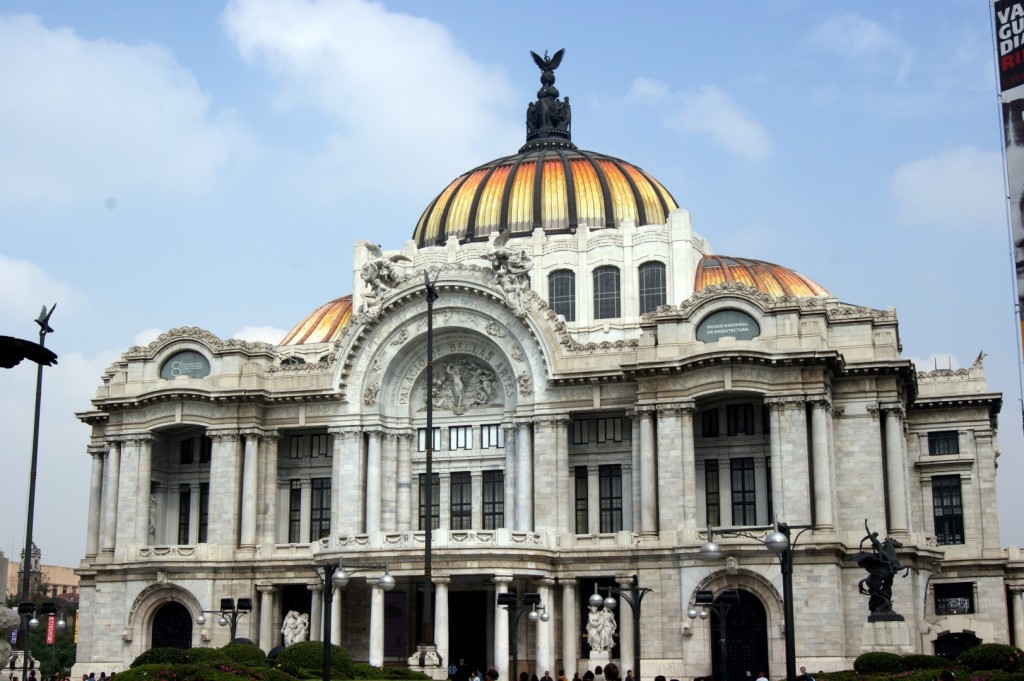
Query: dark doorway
950, 645
746, 640
467, 632
172, 627
396, 625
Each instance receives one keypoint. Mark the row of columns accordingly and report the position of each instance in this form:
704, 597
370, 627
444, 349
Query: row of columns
538, 492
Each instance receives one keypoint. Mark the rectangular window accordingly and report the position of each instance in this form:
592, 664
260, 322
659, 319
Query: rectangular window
766, 419
204, 511
205, 450
295, 512
435, 501
460, 437
295, 447
954, 599
768, 486
492, 435
712, 493
187, 450
744, 509
740, 419
318, 445
320, 508
461, 501
610, 481
948, 509
580, 432
422, 435
607, 304
582, 512
609, 429
494, 499
184, 512
709, 423
562, 293
652, 286
943, 442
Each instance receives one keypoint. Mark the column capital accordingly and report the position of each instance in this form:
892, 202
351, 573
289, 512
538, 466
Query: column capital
502, 579
644, 410
254, 433
376, 429
316, 587
270, 436
345, 431
223, 435
266, 588
624, 580
896, 408
821, 401
97, 450
546, 582
139, 438
687, 406
443, 580
523, 423
553, 419
785, 401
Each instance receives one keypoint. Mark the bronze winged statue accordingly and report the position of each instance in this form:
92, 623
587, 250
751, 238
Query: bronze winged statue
548, 64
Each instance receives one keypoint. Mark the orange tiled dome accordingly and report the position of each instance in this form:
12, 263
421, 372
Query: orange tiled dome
766, 277
555, 189
323, 325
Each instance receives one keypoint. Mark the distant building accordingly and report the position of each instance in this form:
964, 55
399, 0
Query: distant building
605, 386
51, 581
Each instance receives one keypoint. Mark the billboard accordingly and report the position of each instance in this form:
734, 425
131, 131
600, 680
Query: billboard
1009, 33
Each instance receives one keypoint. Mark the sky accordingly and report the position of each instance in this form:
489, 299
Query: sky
195, 163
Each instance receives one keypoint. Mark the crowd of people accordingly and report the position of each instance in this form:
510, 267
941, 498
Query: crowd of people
57, 676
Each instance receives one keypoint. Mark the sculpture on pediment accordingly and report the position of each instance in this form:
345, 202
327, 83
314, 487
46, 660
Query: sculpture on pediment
379, 273
510, 266
462, 385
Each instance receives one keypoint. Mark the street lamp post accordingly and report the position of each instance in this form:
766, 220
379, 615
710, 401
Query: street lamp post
516, 610
335, 576
229, 612
779, 541
634, 596
26, 561
720, 606
427, 626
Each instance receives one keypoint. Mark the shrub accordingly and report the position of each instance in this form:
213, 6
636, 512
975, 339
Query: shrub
1008, 676
878, 662
164, 656
206, 655
309, 656
366, 671
992, 656
202, 672
246, 654
916, 662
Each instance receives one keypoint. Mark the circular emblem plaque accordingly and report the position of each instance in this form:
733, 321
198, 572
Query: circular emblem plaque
186, 363
732, 323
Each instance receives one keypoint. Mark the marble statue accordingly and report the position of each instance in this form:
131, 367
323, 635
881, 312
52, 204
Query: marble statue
295, 627
600, 629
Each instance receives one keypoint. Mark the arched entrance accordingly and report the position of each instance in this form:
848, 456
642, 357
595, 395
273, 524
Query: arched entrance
172, 627
950, 645
746, 639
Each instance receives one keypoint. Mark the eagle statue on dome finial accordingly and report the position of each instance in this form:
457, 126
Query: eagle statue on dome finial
548, 64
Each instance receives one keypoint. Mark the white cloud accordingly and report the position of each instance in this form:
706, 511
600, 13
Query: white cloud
266, 334
647, 91
865, 45
147, 336
711, 112
399, 91
26, 288
960, 188
99, 119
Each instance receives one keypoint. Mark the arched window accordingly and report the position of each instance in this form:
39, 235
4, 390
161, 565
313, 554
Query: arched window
607, 303
562, 293
652, 286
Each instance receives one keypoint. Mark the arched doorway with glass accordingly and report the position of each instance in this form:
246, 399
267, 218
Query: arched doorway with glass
746, 638
172, 627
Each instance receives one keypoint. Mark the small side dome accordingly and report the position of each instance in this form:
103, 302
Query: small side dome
323, 325
766, 277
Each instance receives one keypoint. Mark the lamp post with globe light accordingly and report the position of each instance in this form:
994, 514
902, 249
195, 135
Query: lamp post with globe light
229, 612
634, 596
778, 540
335, 576
537, 612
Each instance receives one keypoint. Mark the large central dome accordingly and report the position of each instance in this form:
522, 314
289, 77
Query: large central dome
556, 190
549, 184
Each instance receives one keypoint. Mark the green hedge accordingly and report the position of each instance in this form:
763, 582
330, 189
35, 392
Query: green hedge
164, 656
208, 655
368, 671
309, 656
992, 656
246, 654
915, 662
878, 662
202, 672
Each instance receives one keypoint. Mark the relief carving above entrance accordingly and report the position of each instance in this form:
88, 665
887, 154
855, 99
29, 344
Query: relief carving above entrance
462, 384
